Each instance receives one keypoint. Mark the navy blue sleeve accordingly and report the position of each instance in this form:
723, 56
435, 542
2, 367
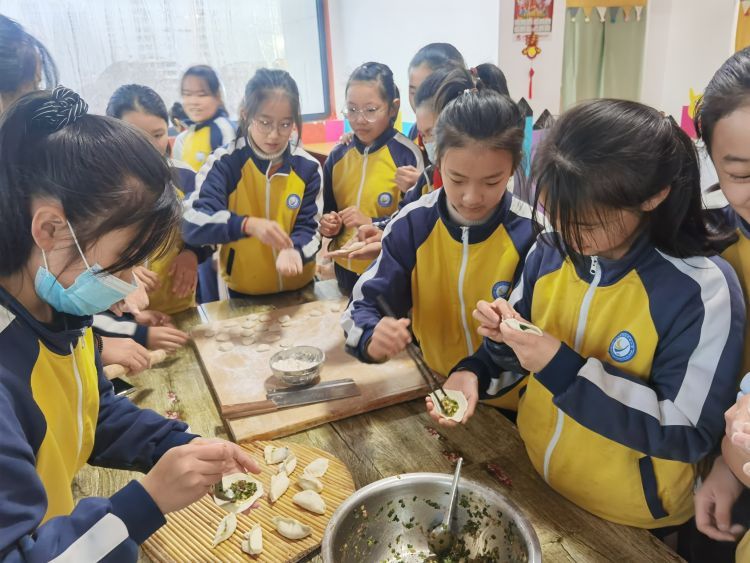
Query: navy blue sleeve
305, 236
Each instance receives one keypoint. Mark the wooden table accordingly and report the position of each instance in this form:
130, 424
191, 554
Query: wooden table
398, 439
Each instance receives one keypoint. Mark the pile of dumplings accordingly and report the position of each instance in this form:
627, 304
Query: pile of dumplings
284, 462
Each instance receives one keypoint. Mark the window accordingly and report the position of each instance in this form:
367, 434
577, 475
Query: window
100, 45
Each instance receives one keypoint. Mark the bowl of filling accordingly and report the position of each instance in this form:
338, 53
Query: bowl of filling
299, 365
390, 520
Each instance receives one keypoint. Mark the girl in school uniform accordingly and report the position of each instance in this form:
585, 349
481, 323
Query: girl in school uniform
360, 178
69, 238
722, 120
452, 247
642, 323
209, 126
260, 197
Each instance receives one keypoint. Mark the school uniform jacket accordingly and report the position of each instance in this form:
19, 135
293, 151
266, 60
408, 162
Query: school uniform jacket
235, 184
636, 394
57, 413
438, 270
365, 177
199, 140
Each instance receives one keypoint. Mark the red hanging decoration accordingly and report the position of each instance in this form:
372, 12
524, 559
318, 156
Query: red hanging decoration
531, 50
531, 83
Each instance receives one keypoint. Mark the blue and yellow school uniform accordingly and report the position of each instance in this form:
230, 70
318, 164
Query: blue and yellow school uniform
194, 145
236, 184
438, 270
57, 413
636, 394
365, 177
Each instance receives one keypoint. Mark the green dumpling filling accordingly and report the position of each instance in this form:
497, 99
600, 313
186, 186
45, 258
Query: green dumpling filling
243, 490
450, 407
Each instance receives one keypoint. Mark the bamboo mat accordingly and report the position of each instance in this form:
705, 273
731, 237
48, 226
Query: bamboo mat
188, 534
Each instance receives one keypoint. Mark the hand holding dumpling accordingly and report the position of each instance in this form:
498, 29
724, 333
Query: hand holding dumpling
289, 262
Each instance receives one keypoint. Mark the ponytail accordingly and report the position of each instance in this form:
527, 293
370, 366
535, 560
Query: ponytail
490, 76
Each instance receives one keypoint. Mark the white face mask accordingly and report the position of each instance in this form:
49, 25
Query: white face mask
430, 148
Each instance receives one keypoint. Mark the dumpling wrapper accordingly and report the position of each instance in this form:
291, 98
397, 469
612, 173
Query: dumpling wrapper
253, 542
316, 468
231, 506
523, 326
307, 483
288, 465
310, 500
457, 396
290, 528
274, 455
226, 528
279, 485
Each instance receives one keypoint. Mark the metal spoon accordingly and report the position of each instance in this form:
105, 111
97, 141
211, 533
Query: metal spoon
441, 538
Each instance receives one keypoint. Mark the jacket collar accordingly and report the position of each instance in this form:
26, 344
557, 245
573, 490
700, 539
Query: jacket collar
612, 270
378, 143
263, 164
221, 112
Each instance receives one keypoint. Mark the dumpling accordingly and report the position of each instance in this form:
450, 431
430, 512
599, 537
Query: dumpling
310, 500
317, 467
523, 326
307, 483
242, 489
291, 528
279, 485
275, 455
253, 542
288, 465
226, 528
454, 406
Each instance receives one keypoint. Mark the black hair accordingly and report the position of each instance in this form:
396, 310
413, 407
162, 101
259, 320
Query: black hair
259, 87
208, 75
605, 155
135, 97
376, 72
728, 90
20, 53
177, 112
480, 116
451, 82
104, 172
437, 55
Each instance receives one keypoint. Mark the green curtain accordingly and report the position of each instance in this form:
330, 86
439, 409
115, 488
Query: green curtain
602, 59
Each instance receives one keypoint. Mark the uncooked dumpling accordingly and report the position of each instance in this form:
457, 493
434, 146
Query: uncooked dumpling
242, 489
291, 528
286, 343
226, 346
316, 313
246, 332
229, 324
523, 326
310, 500
263, 348
307, 483
247, 341
454, 408
316, 468
265, 317
253, 317
226, 528
272, 338
279, 485
236, 331
285, 318
274, 455
253, 542
261, 328
335, 308
288, 465
223, 337
275, 327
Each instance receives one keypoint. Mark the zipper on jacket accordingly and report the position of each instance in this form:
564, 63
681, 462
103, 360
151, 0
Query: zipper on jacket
79, 386
359, 193
596, 271
461, 277
268, 216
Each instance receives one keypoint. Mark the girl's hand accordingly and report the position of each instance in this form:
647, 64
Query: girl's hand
346, 138
490, 315
534, 352
153, 318
150, 280
468, 384
737, 420
371, 236
330, 224
714, 502
353, 217
407, 177
125, 352
184, 273
389, 338
268, 232
185, 473
241, 461
289, 263
166, 338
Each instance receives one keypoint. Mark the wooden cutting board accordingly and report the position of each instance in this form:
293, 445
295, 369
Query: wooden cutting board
241, 377
188, 534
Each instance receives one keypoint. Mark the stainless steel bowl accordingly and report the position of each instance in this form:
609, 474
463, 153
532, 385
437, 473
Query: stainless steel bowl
388, 521
309, 354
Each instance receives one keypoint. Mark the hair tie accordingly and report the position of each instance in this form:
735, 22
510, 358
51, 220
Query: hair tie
64, 108
470, 91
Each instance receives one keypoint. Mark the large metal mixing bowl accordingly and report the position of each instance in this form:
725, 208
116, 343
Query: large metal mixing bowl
388, 521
